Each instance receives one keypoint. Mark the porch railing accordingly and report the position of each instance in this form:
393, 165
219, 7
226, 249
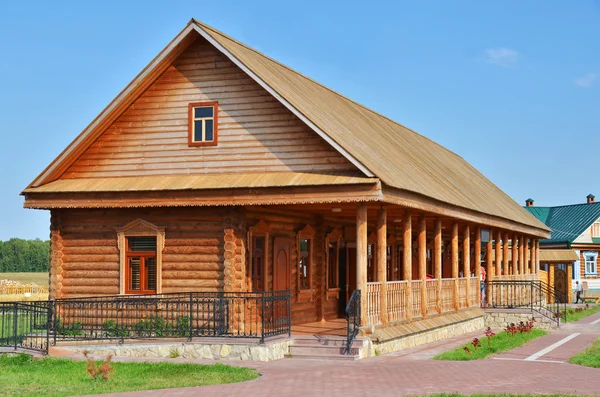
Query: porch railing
396, 300
431, 287
447, 298
417, 309
462, 293
373, 303
474, 286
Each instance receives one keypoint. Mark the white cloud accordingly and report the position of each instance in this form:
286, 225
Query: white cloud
505, 57
587, 80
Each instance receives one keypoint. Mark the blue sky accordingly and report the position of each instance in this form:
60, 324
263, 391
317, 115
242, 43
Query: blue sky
511, 86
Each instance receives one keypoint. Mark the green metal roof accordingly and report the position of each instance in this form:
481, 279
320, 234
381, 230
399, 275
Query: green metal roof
568, 221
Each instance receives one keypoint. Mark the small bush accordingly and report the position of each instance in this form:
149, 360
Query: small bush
73, 329
104, 371
111, 329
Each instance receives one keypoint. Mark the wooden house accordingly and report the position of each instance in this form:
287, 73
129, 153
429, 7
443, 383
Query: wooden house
575, 228
220, 169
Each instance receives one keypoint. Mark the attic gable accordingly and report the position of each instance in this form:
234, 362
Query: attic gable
256, 132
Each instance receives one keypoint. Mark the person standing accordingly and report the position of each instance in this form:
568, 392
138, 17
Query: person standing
578, 291
482, 287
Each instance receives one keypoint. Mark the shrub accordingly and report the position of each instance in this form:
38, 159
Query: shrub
153, 326
73, 329
111, 329
104, 371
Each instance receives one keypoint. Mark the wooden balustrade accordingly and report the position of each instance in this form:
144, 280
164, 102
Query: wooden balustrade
23, 289
431, 287
396, 300
447, 295
473, 288
373, 303
462, 293
416, 298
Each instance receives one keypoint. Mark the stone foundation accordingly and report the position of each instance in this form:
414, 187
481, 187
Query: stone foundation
199, 350
500, 319
432, 330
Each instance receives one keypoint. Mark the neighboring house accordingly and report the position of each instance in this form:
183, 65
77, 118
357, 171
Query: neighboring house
575, 227
220, 169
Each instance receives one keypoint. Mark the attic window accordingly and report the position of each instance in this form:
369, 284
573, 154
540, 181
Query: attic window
203, 124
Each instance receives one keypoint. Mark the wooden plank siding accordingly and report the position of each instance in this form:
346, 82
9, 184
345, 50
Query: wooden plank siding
256, 132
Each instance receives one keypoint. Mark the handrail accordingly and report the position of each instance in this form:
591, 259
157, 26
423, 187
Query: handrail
352, 319
532, 294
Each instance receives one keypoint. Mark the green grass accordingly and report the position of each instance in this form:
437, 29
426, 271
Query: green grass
26, 278
573, 316
590, 357
503, 341
21, 376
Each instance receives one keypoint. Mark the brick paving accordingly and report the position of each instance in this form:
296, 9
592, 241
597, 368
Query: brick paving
413, 373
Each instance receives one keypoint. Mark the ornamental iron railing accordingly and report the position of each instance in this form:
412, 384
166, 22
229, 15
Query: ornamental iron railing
352, 320
36, 325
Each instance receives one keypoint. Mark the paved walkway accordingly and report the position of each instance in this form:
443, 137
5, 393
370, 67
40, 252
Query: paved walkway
411, 372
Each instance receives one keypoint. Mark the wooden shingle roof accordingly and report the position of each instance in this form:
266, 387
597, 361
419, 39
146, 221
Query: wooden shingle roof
379, 147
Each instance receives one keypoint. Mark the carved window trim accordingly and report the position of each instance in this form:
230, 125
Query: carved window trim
260, 229
307, 233
140, 228
335, 236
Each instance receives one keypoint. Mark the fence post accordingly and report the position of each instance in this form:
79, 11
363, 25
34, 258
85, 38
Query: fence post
15, 323
191, 316
262, 318
48, 325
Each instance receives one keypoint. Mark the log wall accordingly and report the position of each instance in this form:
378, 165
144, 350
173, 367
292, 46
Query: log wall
256, 133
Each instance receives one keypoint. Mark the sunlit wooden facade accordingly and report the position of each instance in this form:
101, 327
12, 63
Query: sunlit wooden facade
209, 173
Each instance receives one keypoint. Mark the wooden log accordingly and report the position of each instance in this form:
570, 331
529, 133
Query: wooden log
454, 248
515, 255
489, 270
423, 262
498, 260
407, 261
437, 261
522, 249
477, 263
361, 259
467, 261
382, 261
505, 266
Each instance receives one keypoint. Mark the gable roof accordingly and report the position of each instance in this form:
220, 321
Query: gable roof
568, 221
376, 145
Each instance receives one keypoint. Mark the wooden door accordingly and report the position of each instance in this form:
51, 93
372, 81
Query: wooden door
281, 264
560, 281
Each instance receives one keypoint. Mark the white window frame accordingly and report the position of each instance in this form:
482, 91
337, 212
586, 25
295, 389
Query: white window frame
592, 263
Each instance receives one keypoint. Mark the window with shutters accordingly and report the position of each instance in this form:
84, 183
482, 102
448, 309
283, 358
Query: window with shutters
141, 265
590, 263
203, 124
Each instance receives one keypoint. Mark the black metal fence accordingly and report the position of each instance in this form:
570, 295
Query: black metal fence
352, 319
35, 325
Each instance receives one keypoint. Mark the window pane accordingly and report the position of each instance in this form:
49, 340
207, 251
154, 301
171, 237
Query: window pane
304, 264
203, 112
208, 130
198, 130
258, 250
134, 267
333, 263
138, 244
151, 271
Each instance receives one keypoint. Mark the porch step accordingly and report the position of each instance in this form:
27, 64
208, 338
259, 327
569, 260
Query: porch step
323, 348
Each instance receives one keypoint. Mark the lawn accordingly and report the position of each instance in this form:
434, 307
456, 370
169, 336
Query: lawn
590, 357
574, 315
503, 341
21, 376
26, 278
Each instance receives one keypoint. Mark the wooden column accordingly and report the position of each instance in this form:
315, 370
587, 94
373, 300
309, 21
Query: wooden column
522, 256
505, 266
467, 260
498, 253
454, 246
407, 261
477, 263
423, 263
382, 261
537, 260
488, 270
437, 262
361, 260
551, 267
515, 255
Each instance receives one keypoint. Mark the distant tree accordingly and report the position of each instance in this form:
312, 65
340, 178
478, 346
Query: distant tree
18, 255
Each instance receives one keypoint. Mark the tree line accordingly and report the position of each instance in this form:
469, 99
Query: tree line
18, 255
